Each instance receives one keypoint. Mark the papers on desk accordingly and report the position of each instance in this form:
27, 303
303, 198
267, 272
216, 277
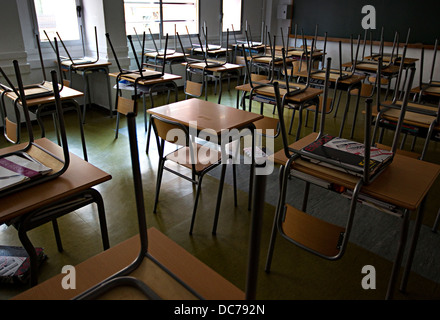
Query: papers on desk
129, 86
17, 169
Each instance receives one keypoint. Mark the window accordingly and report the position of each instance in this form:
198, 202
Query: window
231, 11
57, 16
167, 16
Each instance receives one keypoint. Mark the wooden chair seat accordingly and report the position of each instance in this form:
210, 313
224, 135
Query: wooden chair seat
205, 157
311, 232
412, 118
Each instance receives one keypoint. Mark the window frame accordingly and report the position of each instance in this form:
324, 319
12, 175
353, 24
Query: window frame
160, 34
236, 31
43, 40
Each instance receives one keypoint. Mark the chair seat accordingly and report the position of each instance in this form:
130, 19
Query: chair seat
311, 232
206, 157
411, 118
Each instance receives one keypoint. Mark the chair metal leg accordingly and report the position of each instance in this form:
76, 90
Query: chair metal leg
234, 173
158, 183
274, 227
196, 203
219, 198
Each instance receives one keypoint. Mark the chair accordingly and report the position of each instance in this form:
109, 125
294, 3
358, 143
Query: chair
192, 88
420, 119
309, 232
432, 86
198, 158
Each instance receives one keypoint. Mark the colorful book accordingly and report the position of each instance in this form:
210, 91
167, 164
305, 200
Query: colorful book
345, 155
15, 264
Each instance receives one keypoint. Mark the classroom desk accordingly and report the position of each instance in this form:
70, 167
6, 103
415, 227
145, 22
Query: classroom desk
85, 70
219, 73
349, 84
79, 179
405, 183
209, 284
170, 59
67, 96
302, 100
215, 117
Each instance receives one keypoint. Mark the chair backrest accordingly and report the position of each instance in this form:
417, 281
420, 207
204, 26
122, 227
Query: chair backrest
208, 64
142, 72
422, 84
163, 126
158, 51
83, 60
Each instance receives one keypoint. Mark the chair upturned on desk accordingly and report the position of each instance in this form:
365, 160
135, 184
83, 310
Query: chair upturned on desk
67, 97
310, 95
404, 184
175, 58
217, 72
72, 190
352, 82
85, 70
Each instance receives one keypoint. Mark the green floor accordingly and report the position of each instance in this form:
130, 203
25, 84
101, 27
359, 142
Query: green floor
295, 273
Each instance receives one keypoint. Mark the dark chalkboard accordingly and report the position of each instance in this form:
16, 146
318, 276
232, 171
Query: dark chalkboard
343, 18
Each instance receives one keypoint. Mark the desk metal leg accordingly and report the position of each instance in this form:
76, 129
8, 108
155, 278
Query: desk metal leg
399, 255
219, 198
412, 248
